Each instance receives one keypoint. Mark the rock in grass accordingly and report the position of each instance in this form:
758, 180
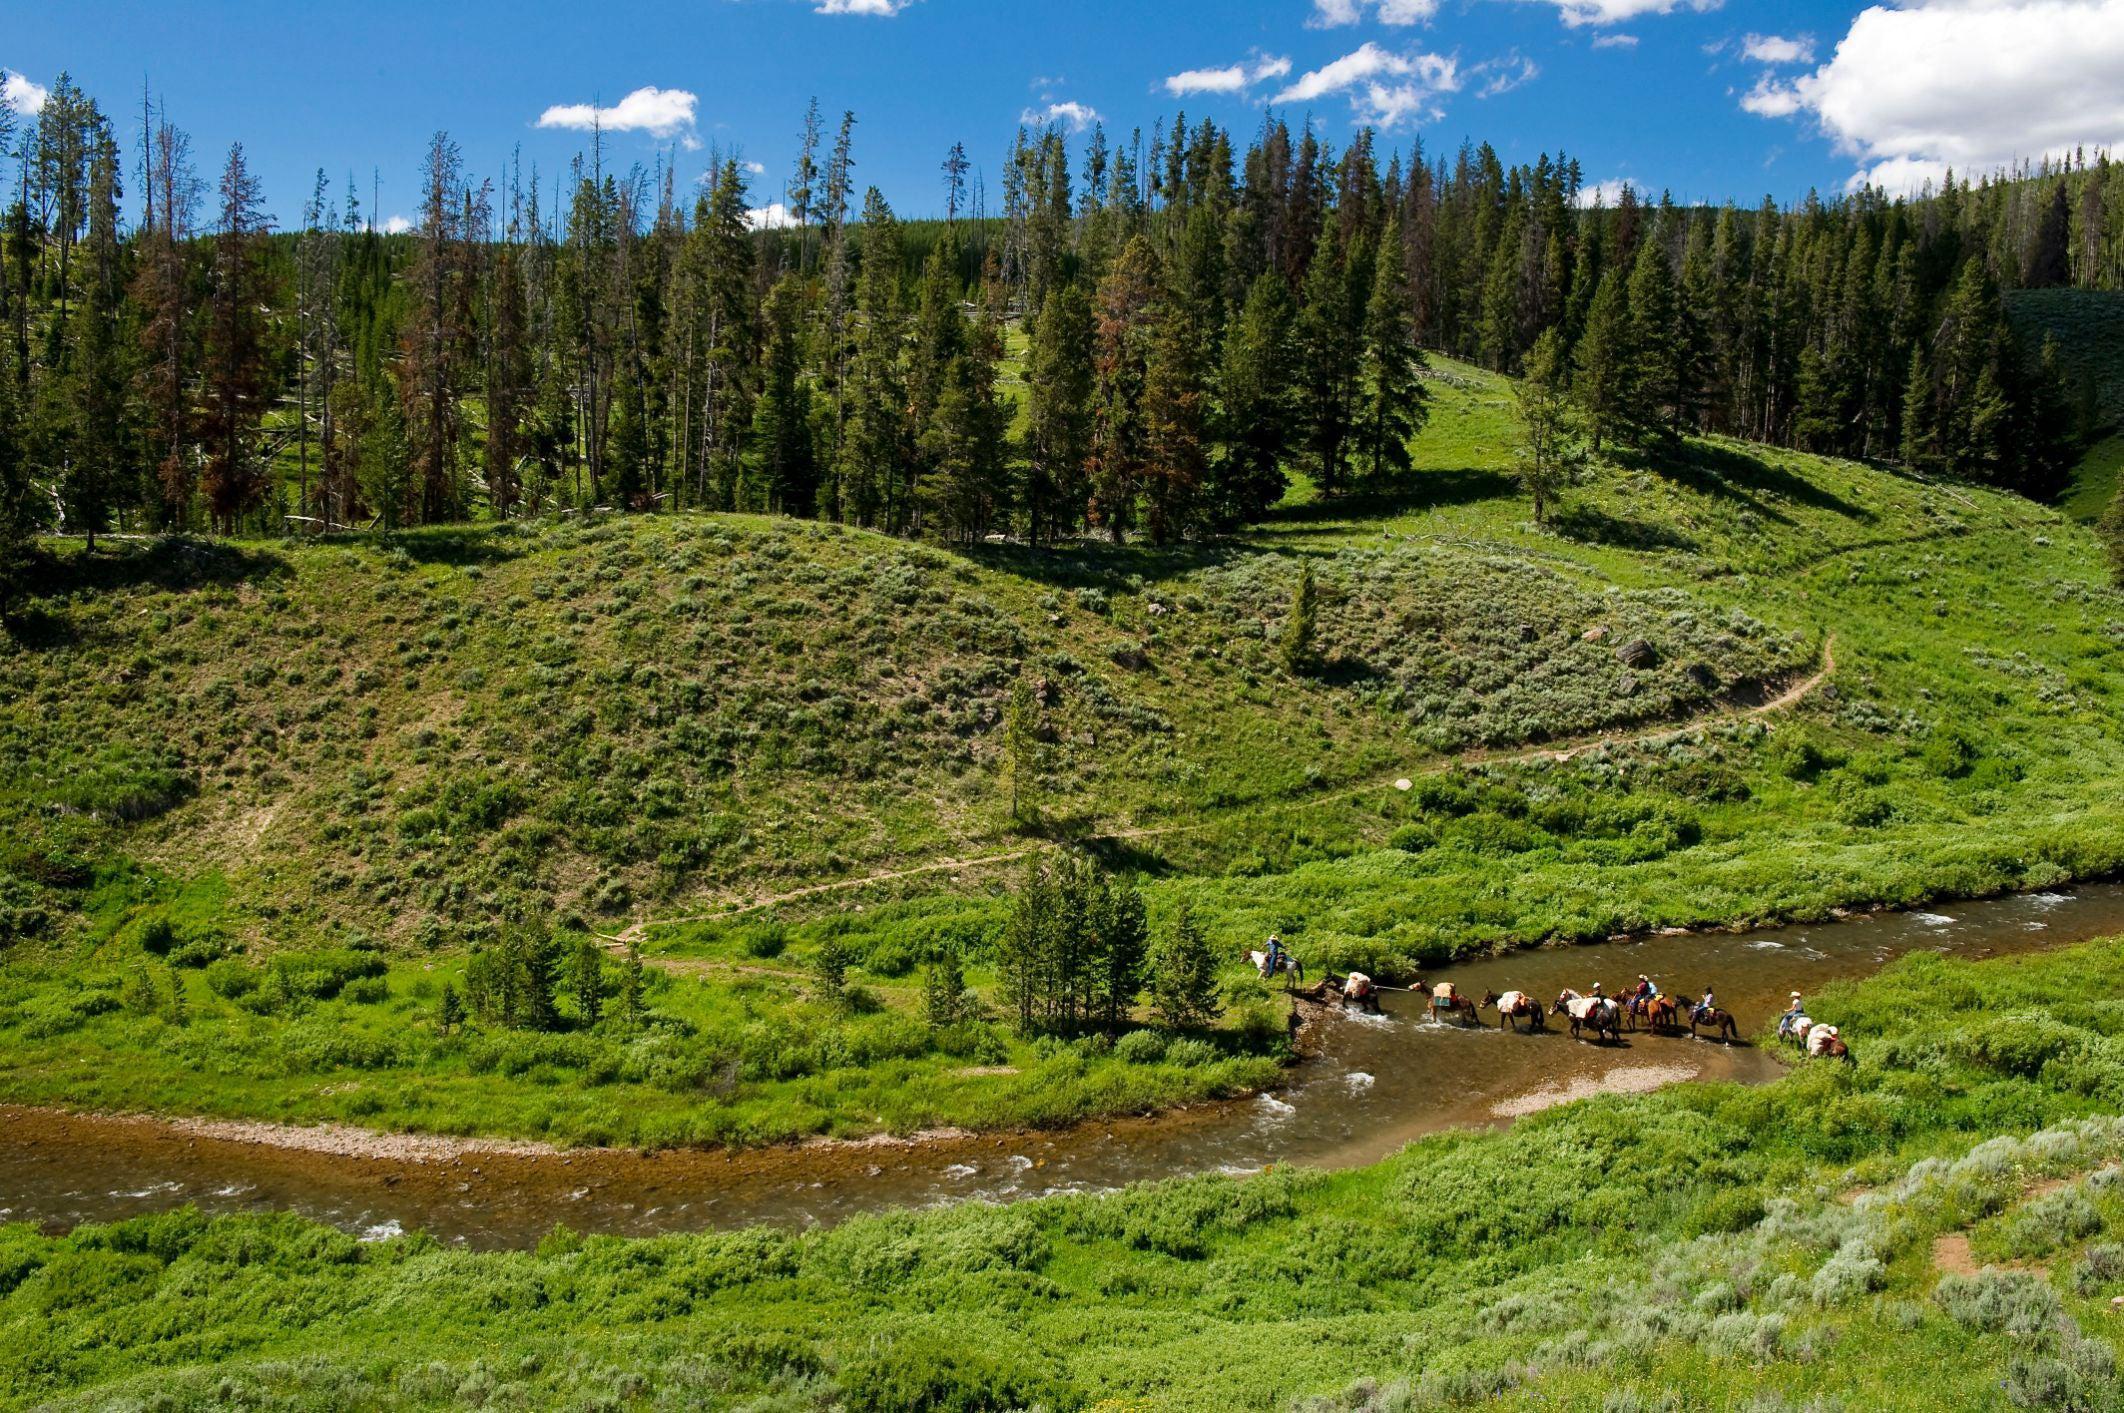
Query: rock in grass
1637, 653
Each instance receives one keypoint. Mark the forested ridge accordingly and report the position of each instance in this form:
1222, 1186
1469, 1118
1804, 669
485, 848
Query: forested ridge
1150, 337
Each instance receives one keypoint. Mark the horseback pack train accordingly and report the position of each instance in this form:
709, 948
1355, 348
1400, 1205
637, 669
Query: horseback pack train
1593, 1013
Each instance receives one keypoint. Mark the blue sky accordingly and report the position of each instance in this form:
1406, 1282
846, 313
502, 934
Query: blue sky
1711, 100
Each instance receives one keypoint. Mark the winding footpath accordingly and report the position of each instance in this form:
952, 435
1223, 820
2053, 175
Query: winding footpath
638, 931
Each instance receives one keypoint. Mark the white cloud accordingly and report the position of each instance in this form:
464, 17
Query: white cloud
1234, 78
1607, 193
1331, 14
397, 225
1970, 84
772, 217
884, 9
660, 112
1777, 49
1771, 99
1615, 41
758, 169
1504, 74
21, 95
1385, 88
1614, 12
1076, 116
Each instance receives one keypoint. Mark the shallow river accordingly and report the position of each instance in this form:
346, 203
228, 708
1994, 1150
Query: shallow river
1375, 1084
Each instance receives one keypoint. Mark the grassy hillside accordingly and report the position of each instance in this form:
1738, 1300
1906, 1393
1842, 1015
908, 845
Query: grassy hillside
2094, 480
285, 751
1936, 1227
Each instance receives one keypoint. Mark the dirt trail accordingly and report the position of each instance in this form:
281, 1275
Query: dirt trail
1791, 697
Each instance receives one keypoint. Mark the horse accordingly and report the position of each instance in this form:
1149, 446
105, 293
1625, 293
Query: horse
1823, 1043
1793, 1031
1723, 1027
1285, 964
1512, 1006
1446, 1001
1595, 1013
1357, 990
1661, 1015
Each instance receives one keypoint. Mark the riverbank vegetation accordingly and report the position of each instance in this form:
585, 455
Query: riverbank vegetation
1936, 1226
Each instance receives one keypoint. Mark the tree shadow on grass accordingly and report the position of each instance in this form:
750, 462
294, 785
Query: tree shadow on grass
1096, 564
175, 563
1590, 525
1388, 497
459, 546
1738, 475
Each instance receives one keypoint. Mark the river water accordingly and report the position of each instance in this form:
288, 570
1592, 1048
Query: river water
1374, 1084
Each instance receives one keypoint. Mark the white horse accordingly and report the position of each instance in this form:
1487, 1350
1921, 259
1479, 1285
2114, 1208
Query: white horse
1285, 962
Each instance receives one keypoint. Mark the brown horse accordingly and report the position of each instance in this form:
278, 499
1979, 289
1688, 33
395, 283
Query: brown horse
1660, 1015
1720, 1022
1514, 1006
1456, 1005
1597, 1014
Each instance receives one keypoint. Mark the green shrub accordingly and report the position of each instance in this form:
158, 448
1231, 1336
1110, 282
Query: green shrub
2016, 1302
923, 1373
1191, 1053
232, 979
1141, 1047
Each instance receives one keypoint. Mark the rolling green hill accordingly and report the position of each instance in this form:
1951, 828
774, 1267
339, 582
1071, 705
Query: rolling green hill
742, 740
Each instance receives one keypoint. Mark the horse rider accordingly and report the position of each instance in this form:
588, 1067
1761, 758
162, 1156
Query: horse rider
1598, 994
1272, 958
1646, 992
1792, 1013
1705, 1006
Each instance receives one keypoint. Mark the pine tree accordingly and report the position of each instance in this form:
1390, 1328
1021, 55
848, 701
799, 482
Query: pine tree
1605, 382
781, 427
1544, 424
1120, 952
162, 294
1395, 404
91, 486
830, 964
945, 999
1920, 447
1328, 364
436, 335
1296, 644
1175, 415
384, 471
874, 451
1022, 948
449, 1010
1183, 975
1257, 411
509, 383
1120, 361
1656, 401
233, 375
1058, 431
587, 981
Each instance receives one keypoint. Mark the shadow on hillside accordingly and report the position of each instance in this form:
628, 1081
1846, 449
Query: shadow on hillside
1739, 476
1096, 564
459, 546
1389, 496
1590, 525
176, 563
